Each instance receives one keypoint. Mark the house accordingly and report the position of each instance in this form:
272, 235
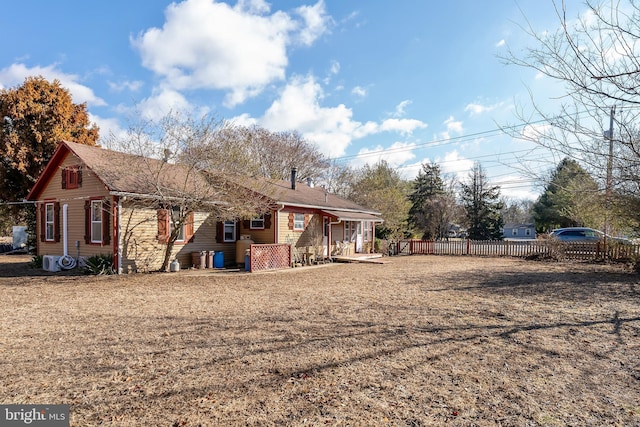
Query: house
518, 231
93, 201
313, 220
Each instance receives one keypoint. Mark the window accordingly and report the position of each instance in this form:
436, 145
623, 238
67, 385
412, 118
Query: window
514, 232
298, 221
167, 218
96, 221
49, 223
350, 230
97, 227
175, 217
229, 231
527, 232
71, 177
366, 234
257, 223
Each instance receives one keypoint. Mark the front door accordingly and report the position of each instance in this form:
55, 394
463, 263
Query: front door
359, 237
325, 235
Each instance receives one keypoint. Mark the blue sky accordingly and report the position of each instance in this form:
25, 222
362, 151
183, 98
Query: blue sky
407, 81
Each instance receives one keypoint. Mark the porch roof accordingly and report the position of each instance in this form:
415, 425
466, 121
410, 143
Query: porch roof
353, 216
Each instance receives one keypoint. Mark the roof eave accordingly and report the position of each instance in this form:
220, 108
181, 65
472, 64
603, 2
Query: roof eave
61, 151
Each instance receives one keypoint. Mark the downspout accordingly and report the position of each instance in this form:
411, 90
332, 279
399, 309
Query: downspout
117, 230
276, 222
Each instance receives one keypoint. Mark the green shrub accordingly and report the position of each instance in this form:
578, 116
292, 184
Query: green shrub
99, 264
36, 261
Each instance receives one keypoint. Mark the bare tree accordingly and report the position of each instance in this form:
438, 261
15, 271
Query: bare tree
596, 58
167, 168
338, 178
259, 152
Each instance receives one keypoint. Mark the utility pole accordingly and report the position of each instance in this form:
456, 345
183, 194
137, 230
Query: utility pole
608, 135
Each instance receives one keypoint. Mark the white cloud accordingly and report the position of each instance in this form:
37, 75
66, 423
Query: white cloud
132, 86
359, 91
396, 155
316, 22
204, 44
475, 109
109, 128
516, 187
332, 129
455, 164
453, 126
335, 67
253, 6
15, 74
163, 101
535, 131
400, 108
501, 43
404, 126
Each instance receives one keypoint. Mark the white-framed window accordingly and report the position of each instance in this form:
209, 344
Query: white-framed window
514, 232
96, 221
298, 221
366, 232
48, 222
229, 231
350, 230
175, 217
527, 232
257, 223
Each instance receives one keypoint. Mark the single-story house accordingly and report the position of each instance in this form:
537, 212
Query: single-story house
94, 201
518, 231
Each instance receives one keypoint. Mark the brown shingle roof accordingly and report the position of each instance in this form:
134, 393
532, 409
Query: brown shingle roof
121, 173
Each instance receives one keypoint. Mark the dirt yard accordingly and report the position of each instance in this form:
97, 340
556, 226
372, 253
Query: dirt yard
419, 340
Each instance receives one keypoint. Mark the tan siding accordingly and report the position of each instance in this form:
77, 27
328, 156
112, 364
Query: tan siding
74, 198
142, 251
259, 236
309, 240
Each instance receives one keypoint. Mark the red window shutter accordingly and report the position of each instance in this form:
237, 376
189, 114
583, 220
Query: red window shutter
163, 226
267, 221
43, 222
87, 222
56, 221
246, 224
189, 228
79, 171
291, 220
106, 223
237, 230
219, 232
64, 177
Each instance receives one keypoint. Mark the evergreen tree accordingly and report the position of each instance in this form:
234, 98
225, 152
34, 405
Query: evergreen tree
431, 205
570, 199
482, 206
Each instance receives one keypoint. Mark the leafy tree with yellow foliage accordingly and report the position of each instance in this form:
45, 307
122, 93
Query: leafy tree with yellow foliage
34, 118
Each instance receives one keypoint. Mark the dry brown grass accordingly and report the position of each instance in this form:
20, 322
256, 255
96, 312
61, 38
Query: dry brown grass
420, 340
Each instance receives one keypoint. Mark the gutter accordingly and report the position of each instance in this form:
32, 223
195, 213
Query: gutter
154, 197
330, 208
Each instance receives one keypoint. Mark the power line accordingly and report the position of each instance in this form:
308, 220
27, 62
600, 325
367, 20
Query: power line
452, 140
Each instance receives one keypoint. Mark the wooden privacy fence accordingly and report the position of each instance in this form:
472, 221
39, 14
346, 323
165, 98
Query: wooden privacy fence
269, 257
516, 248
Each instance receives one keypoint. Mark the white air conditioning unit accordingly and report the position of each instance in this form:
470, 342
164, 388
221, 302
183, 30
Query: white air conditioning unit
50, 263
